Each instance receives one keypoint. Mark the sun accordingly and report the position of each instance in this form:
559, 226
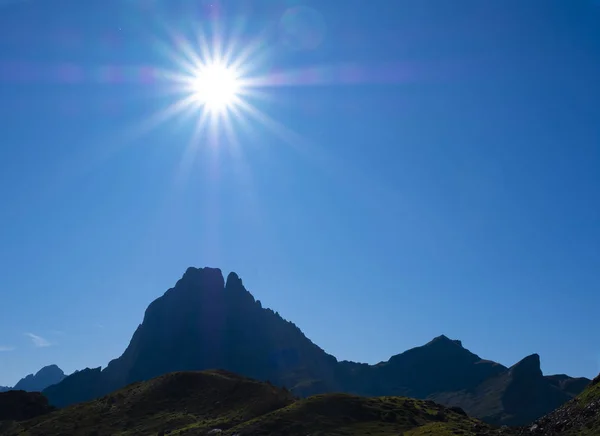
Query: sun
216, 86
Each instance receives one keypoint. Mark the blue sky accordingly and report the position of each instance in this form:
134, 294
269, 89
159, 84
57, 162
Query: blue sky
412, 168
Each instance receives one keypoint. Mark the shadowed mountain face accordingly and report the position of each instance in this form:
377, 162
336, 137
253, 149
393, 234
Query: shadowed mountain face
515, 396
205, 322
580, 416
439, 366
4, 388
47, 376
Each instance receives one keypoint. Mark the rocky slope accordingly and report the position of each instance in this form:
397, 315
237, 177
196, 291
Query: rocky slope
206, 322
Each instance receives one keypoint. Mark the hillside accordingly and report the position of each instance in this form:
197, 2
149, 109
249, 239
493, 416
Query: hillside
579, 417
196, 403
208, 322
204, 399
21, 405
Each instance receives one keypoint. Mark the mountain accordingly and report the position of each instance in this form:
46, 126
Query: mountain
445, 372
580, 416
206, 322
47, 376
4, 388
515, 396
220, 402
439, 366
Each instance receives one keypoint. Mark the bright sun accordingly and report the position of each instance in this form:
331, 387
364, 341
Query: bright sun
216, 86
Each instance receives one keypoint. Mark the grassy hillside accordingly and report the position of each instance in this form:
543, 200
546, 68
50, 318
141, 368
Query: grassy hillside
218, 402
207, 399
348, 415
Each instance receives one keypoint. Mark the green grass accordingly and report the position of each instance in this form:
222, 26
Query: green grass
194, 403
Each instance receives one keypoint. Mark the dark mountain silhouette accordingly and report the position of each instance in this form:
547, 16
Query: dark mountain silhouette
438, 366
515, 396
580, 416
205, 322
47, 376
223, 403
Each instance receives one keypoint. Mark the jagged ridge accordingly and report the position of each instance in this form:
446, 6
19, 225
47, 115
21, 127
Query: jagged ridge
206, 322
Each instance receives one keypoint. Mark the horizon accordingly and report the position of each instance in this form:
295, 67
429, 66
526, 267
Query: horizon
225, 276
378, 174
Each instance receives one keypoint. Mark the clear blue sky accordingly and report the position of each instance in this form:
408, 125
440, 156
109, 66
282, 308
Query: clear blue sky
422, 167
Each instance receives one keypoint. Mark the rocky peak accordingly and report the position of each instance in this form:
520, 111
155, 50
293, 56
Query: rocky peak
50, 371
444, 340
210, 278
45, 377
529, 367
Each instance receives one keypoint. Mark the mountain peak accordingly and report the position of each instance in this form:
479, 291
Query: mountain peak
443, 339
528, 367
233, 279
45, 377
50, 370
204, 276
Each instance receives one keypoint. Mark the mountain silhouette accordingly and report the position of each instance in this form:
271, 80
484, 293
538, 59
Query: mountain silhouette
205, 322
515, 396
47, 376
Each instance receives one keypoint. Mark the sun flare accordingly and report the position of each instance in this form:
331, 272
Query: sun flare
216, 86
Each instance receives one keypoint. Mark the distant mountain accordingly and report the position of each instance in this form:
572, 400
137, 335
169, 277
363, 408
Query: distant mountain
223, 403
47, 376
205, 322
4, 388
441, 365
580, 416
515, 396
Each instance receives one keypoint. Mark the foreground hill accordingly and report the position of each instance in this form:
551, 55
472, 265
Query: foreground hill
219, 402
208, 322
205, 400
21, 405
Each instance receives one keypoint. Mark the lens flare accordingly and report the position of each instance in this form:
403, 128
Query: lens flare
216, 86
